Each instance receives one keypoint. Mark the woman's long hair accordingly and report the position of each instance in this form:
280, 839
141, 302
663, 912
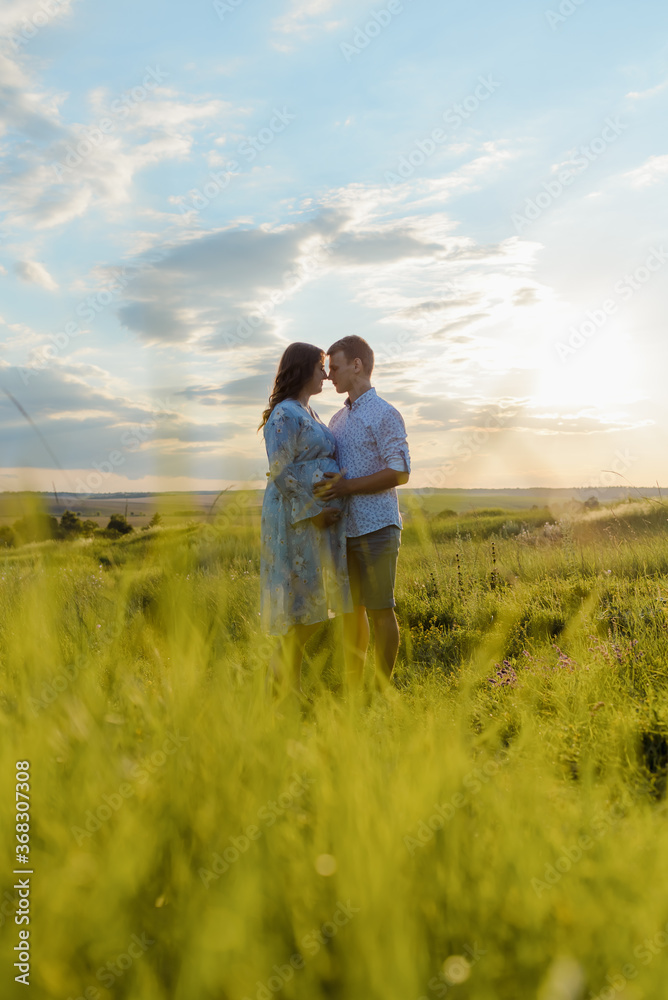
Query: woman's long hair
294, 370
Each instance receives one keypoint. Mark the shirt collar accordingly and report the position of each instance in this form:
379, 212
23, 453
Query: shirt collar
366, 397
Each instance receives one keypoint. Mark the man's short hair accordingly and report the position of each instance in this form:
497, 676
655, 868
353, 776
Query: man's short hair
355, 347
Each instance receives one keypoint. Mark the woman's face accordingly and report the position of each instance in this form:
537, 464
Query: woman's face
318, 377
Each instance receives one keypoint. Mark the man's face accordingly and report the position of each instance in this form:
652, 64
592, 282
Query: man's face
341, 371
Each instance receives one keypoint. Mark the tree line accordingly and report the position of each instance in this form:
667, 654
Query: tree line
40, 527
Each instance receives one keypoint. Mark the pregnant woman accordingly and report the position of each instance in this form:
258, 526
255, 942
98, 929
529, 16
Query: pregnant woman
304, 576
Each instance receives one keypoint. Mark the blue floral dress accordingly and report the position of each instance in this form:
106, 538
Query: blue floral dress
303, 569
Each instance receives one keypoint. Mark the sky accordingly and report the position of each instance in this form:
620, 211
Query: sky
477, 189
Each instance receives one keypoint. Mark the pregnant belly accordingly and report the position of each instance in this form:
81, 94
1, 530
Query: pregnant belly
323, 466
320, 466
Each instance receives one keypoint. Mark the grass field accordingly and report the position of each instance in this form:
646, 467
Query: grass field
494, 829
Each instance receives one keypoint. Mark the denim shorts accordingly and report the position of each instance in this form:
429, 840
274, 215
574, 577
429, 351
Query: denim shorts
372, 567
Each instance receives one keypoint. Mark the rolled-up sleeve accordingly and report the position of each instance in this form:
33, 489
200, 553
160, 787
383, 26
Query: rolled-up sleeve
392, 441
280, 437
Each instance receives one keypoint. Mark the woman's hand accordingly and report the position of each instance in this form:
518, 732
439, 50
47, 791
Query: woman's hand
327, 517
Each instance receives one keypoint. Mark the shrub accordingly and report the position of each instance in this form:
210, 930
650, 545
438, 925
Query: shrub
7, 537
70, 524
35, 528
119, 524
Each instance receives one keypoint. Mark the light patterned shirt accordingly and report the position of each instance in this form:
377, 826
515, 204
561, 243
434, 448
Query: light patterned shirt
370, 436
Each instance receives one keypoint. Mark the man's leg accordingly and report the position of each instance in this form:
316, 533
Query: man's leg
355, 624
355, 643
386, 640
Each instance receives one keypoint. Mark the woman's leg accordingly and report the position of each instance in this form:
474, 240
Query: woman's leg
286, 662
302, 635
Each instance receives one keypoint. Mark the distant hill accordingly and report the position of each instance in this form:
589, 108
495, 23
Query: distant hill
602, 492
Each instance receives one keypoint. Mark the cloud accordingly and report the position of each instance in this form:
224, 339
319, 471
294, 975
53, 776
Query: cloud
155, 322
526, 297
391, 245
26, 109
458, 324
581, 422
55, 171
83, 425
436, 412
644, 94
36, 273
225, 289
216, 289
425, 195
213, 290
303, 20
440, 305
516, 414
15, 13
252, 388
227, 334
492, 157
651, 172
229, 293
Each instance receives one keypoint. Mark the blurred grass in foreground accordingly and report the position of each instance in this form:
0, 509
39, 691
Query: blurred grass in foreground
495, 829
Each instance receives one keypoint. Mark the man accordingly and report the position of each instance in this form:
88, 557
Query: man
372, 452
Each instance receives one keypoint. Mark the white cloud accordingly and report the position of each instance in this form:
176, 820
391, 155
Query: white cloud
163, 109
26, 108
83, 424
410, 269
364, 202
302, 20
59, 170
652, 92
208, 285
33, 271
651, 172
15, 13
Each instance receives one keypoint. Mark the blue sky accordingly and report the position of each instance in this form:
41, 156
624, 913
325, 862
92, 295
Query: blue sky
476, 188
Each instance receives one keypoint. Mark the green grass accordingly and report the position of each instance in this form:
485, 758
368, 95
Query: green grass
520, 826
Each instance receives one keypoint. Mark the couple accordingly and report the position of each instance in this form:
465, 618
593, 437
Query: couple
331, 527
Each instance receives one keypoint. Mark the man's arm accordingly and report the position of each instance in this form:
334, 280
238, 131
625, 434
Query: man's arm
376, 483
390, 439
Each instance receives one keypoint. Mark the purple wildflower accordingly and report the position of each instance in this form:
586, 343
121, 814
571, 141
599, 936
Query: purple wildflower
505, 675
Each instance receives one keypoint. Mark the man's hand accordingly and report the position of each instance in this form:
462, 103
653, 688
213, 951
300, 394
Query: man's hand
334, 489
338, 487
327, 517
